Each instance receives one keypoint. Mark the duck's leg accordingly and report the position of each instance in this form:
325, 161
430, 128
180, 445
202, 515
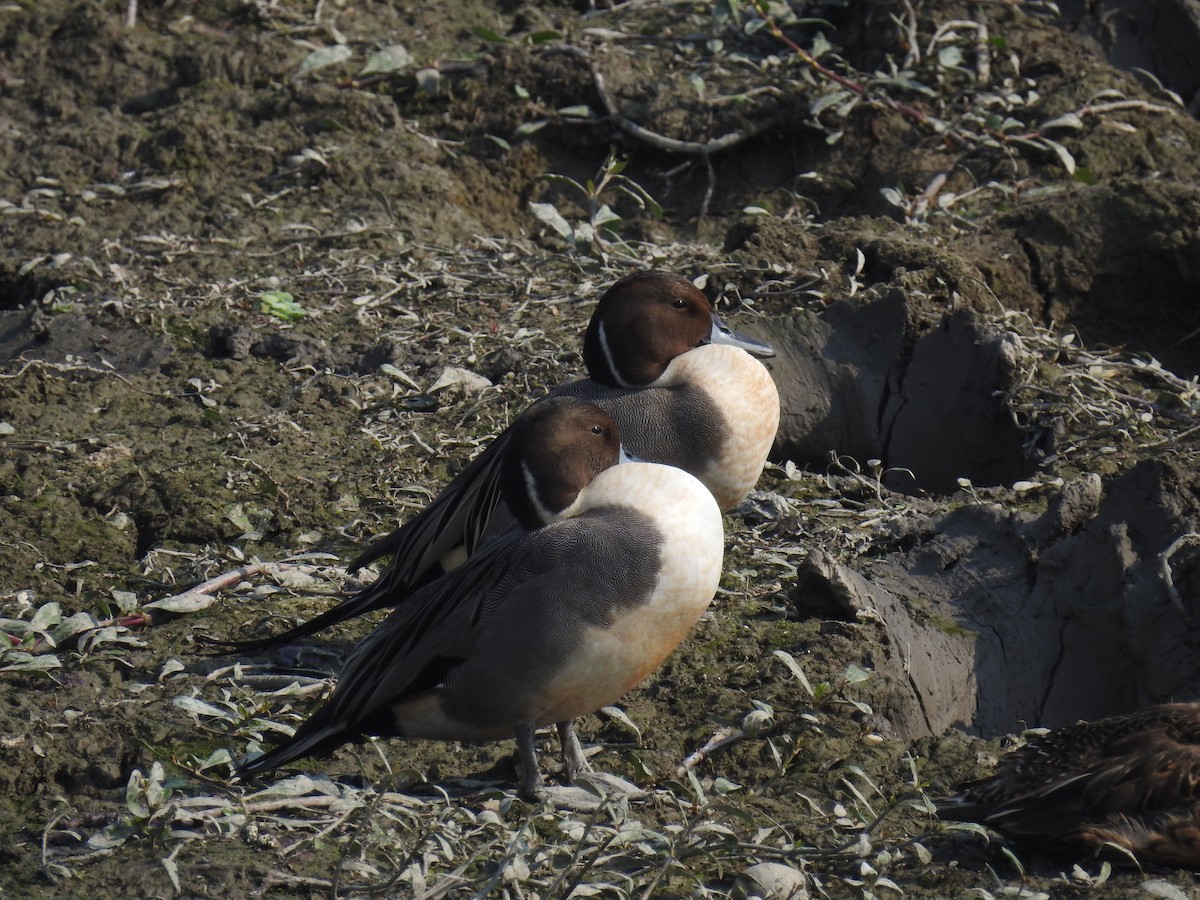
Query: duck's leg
574, 761
531, 788
575, 764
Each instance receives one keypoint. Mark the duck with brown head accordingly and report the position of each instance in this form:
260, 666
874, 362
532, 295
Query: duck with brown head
684, 389
609, 569
646, 320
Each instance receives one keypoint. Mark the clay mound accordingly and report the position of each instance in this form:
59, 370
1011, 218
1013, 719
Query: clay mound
995, 618
879, 379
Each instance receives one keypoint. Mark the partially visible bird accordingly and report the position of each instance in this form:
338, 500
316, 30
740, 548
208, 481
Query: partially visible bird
609, 568
1132, 781
684, 390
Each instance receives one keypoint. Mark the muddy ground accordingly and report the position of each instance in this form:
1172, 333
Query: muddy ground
246, 257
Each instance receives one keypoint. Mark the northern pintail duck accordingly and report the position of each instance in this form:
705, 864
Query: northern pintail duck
684, 390
609, 569
1132, 781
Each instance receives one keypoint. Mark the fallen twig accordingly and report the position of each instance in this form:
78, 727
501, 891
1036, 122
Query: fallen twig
1164, 570
653, 138
721, 739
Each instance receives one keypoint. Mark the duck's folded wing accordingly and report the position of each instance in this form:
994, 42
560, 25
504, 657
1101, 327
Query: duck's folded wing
436, 627
1145, 775
458, 517
1151, 774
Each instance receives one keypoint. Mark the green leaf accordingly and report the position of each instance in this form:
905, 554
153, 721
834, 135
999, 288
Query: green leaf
725, 786
187, 602
218, 757
281, 305
727, 9
640, 770
135, 795
200, 708
1063, 154
110, 837
126, 601
527, 128
950, 57
618, 714
429, 80
544, 37
1066, 120
236, 513
482, 31
563, 180
296, 786
69, 627
639, 195
172, 872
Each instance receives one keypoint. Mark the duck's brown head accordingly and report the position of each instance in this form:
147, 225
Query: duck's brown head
557, 447
647, 319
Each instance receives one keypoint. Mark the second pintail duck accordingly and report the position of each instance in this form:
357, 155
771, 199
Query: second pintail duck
1130, 782
609, 568
684, 389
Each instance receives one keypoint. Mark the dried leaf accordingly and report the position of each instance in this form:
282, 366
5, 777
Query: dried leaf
1068, 120
471, 382
547, 214
198, 707
47, 616
790, 662
320, 59
19, 661
394, 58
187, 602
1064, 155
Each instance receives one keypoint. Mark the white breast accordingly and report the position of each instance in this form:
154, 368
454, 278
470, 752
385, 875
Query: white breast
610, 661
746, 397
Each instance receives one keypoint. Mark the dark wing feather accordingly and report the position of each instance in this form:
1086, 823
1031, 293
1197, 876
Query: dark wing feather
437, 623
458, 516
1134, 769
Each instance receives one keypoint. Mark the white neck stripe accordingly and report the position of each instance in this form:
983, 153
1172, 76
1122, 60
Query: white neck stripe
531, 487
608, 358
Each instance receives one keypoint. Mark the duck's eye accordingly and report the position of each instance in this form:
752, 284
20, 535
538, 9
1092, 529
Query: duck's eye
679, 303
596, 429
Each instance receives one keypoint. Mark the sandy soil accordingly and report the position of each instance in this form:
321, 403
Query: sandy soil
981, 275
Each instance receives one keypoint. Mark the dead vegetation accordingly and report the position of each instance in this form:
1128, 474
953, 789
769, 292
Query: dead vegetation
240, 406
